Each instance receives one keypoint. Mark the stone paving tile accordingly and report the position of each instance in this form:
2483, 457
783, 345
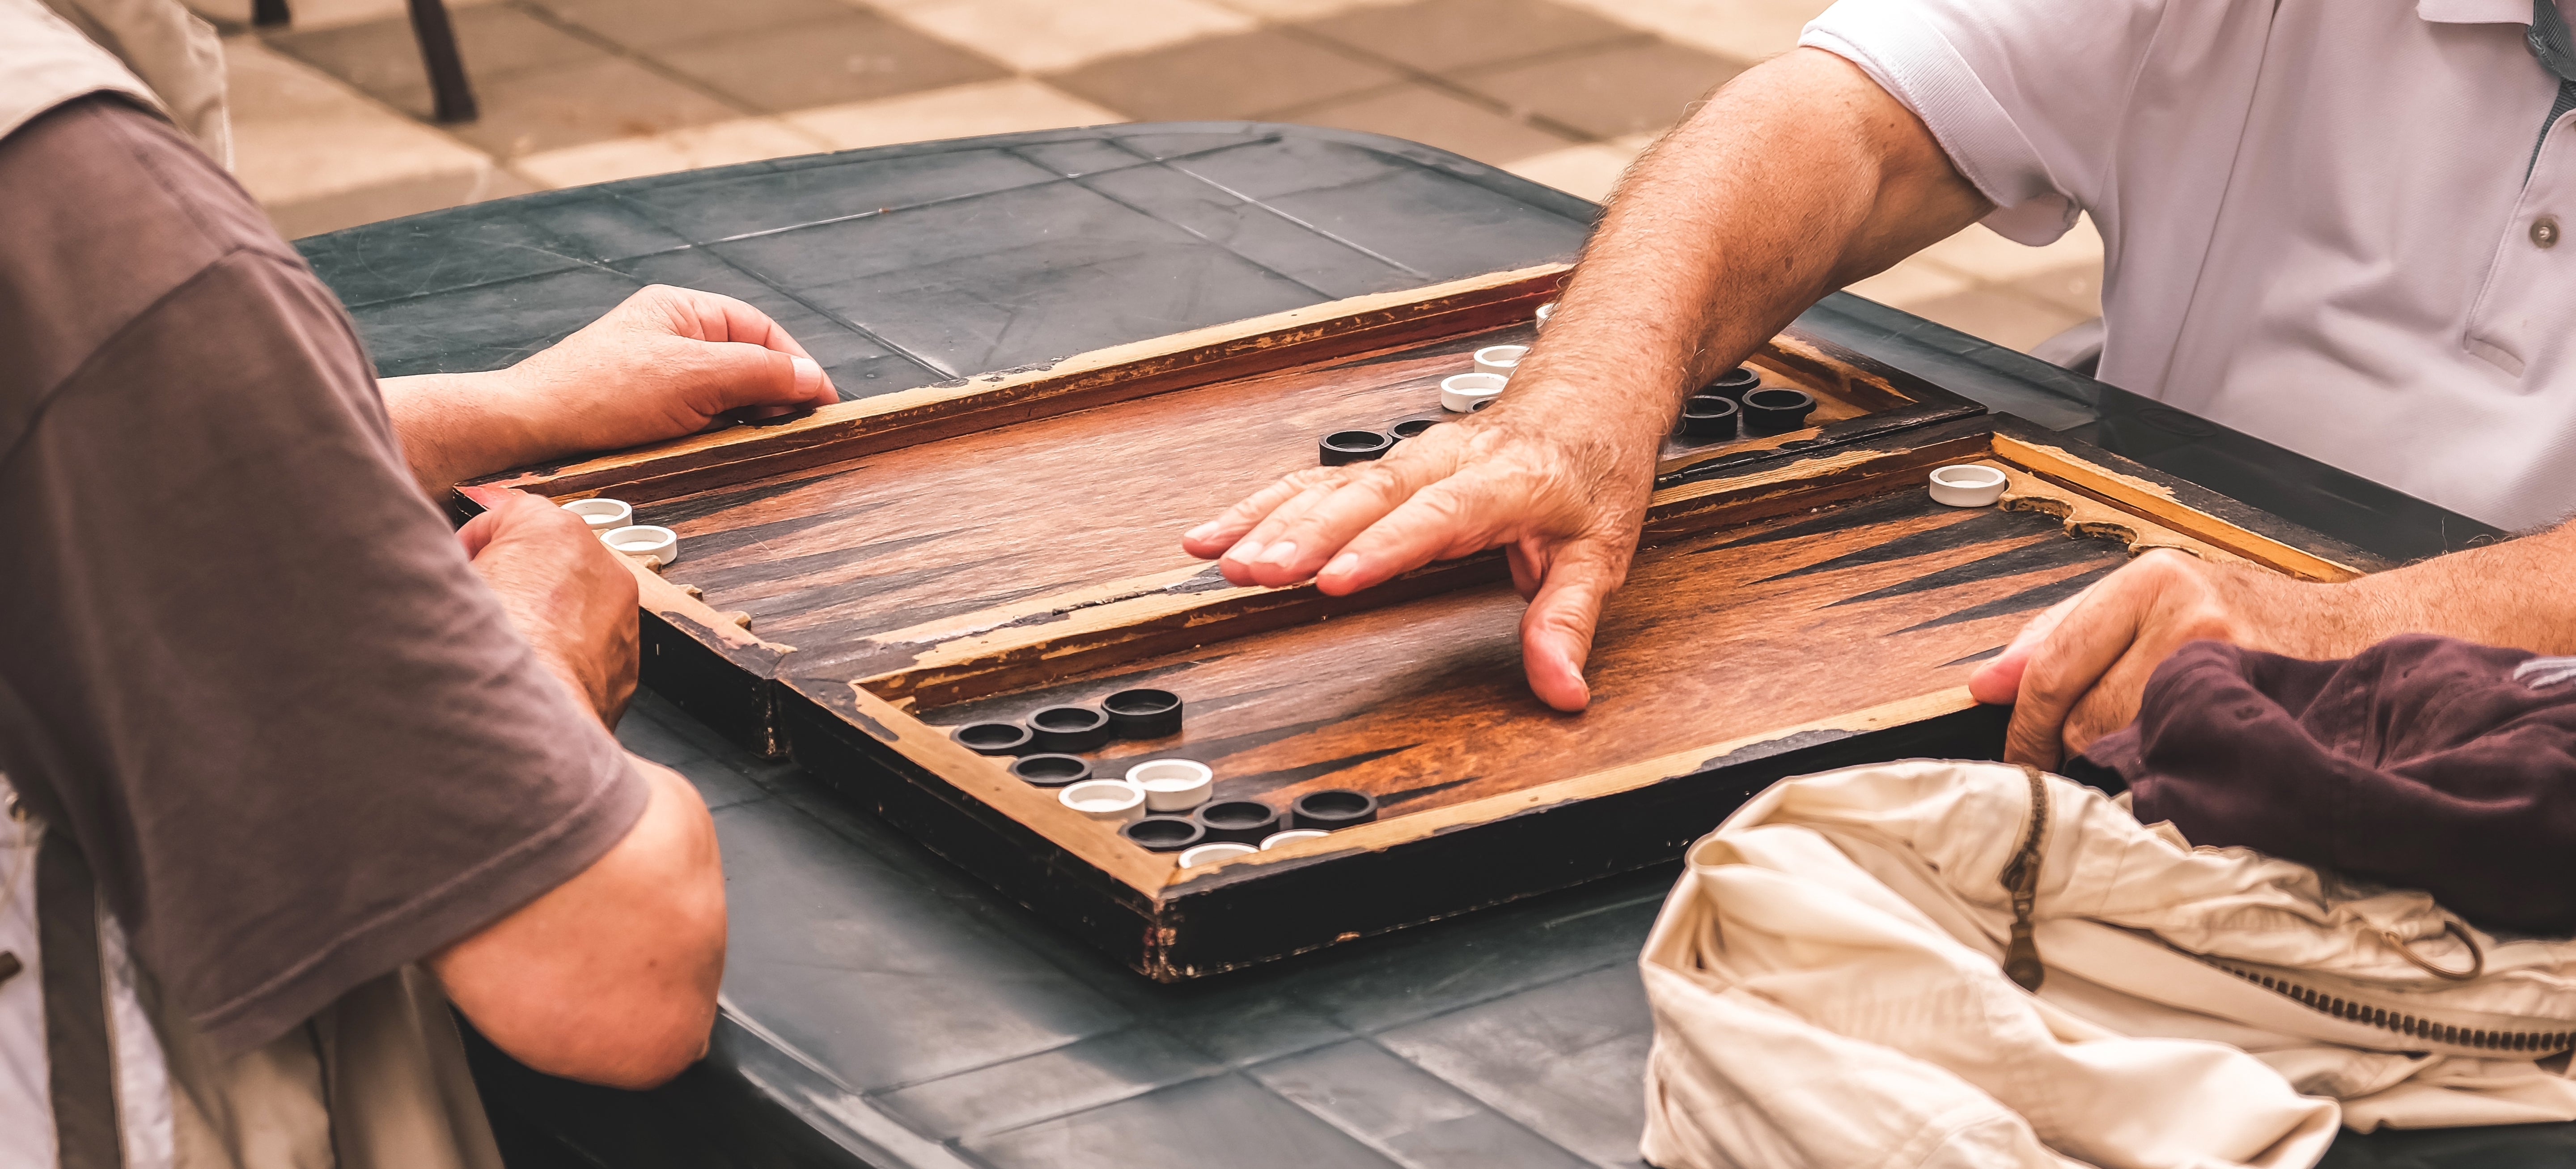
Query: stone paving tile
1747, 30
1564, 92
380, 57
1433, 117
1911, 282
320, 157
963, 111
653, 24
851, 57
1979, 252
2077, 288
1438, 36
1297, 9
1608, 92
1589, 170
1245, 75
1037, 36
611, 97
2001, 314
721, 144
233, 16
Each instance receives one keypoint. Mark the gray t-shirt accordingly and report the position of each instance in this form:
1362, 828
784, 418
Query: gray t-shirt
242, 662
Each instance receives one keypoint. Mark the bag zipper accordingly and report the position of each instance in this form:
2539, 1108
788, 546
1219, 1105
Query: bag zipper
2533, 1043
2021, 879
2021, 963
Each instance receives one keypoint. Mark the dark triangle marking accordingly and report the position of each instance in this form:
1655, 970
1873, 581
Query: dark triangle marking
707, 503
1386, 802
1019, 702
750, 534
2021, 602
1238, 698
788, 567
818, 598
1270, 781
1978, 656
2060, 553
1982, 529
1211, 750
1839, 517
852, 638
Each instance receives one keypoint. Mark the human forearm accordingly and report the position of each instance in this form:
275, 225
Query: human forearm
2507, 594
667, 362
611, 976
460, 426
1799, 177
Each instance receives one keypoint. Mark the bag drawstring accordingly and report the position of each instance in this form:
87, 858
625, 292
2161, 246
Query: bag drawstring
2477, 957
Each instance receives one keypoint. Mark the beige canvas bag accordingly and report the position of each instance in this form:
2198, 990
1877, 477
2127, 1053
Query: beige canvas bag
1829, 987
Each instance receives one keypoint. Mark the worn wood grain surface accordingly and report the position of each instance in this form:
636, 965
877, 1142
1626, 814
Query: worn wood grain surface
825, 560
1717, 637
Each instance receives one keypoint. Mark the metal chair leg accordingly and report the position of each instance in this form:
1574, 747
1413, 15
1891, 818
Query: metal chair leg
269, 13
452, 98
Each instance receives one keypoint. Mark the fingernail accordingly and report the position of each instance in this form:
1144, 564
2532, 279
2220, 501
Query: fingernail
1244, 553
1342, 565
809, 375
1200, 532
1280, 553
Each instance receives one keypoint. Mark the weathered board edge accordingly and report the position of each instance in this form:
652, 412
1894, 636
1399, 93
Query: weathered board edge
960, 774
1345, 890
848, 430
2181, 504
1217, 926
1397, 831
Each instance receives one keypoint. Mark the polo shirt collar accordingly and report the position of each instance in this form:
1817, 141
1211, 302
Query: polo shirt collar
2475, 11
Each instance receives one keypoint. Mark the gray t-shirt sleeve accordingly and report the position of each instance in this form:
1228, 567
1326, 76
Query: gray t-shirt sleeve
243, 664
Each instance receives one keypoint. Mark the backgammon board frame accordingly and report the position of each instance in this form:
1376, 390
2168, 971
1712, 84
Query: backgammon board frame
859, 736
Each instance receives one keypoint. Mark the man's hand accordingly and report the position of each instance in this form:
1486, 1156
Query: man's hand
2076, 671
663, 364
1797, 178
564, 591
1562, 490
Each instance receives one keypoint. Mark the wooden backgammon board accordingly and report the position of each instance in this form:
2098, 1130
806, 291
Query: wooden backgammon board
853, 585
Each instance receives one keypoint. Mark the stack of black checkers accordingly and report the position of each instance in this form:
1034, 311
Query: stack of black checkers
1049, 742
1738, 402
1343, 447
1252, 821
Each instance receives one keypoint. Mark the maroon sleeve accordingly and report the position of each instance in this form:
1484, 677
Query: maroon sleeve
247, 667
2421, 763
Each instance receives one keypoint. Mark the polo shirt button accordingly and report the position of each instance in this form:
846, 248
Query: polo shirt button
2544, 232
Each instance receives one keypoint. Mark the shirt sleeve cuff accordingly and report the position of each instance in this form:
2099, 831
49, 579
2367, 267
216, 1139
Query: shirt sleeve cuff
1907, 55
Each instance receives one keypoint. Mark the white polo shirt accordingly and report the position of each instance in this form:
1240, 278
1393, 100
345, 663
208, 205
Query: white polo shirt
2314, 214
